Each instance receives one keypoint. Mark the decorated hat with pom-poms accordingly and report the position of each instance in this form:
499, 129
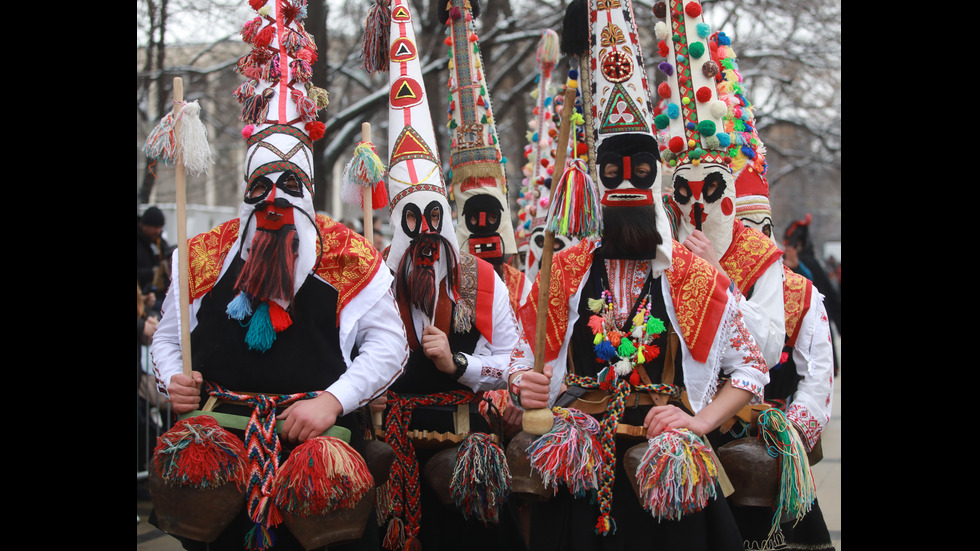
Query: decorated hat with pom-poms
707, 117
279, 102
478, 177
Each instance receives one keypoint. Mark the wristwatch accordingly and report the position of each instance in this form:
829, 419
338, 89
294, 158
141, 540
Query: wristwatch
461, 363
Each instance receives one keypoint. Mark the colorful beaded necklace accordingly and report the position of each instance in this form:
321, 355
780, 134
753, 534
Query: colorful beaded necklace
623, 351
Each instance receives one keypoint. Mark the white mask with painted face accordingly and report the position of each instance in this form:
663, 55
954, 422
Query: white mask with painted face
705, 195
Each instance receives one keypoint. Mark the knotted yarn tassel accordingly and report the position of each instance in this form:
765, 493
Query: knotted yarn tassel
199, 453
379, 195
797, 490
164, 144
481, 480
374, 44
677, 475
279, 317
569, 453
365, 169
548, 51
240, 307
260, 334
255, 108
394, 535
161, 144
575, 204
323, 474
259, 537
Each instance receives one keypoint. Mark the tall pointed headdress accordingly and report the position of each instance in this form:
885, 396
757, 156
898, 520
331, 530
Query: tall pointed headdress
414, 172
479, 185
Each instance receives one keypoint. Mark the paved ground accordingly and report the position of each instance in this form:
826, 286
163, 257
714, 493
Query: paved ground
827, 474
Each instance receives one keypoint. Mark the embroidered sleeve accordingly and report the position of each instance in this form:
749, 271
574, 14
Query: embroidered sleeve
811, 405
743, 360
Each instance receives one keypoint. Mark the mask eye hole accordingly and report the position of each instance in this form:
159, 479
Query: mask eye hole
258, 189
714, 187
612, 172
682, 190
411, 220
433, 212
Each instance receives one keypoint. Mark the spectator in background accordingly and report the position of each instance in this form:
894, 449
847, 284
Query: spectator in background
152, 256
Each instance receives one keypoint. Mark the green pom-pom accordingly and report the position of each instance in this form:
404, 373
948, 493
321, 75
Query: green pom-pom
707, 128
626, 348
662, 121
696, 50
595, 304
655, 326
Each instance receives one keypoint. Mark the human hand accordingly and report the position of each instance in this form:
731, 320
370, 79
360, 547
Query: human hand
533, 389
699, 244
185, 392
512, 418
435, 345
661, 418
309, 418
149, 328
379, 404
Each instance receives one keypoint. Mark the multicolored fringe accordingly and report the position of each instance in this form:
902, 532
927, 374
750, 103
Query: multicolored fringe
399, 497
375, 43
365, 169
481, 479
263, 446
570, 453
620, 390
163, 144
322, 475
575, 203
797, 489
198, 453
677, 475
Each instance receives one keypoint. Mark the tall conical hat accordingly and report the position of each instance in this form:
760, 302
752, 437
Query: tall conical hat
414, 173
280, 106
478, 176
708, 128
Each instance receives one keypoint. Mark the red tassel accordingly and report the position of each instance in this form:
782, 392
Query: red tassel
279, 317
379, 196
264, 38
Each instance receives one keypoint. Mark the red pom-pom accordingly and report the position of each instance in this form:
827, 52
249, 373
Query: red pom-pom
693, 9
256, 4
247, 131
582, 148
473, 37
664, 90
449, 40
704, 94
664, 49
315, 129
676, 144
265, 36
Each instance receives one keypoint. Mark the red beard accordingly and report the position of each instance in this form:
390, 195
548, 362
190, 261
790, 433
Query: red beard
416, 271
270, 266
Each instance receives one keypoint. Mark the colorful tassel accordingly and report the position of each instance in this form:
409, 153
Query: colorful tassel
240, 307
797, 490
198, 453
677, 475
575, 206
322, 475
279, 318
261, 334
375, 44
570, 453
365, 169
481, 479
163, 144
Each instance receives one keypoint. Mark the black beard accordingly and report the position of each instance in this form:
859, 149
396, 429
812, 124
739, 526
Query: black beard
630, 233
416, 272
268, 270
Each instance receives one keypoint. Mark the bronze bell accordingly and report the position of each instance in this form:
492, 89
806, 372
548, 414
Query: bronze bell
195, 513
525, 481
339, 526
753, 472
438, 472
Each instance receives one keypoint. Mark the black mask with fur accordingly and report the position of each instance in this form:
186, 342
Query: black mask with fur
416, 271
630, 232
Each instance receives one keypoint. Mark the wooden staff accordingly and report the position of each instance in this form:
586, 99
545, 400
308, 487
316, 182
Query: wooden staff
182, 250
367, 204
540, 421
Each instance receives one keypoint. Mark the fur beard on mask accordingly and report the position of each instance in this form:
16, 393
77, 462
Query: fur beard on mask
630, 233
417, 280
270, 266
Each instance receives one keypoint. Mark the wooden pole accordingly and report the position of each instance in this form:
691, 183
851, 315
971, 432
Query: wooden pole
367, 202
183, 260
540, 421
